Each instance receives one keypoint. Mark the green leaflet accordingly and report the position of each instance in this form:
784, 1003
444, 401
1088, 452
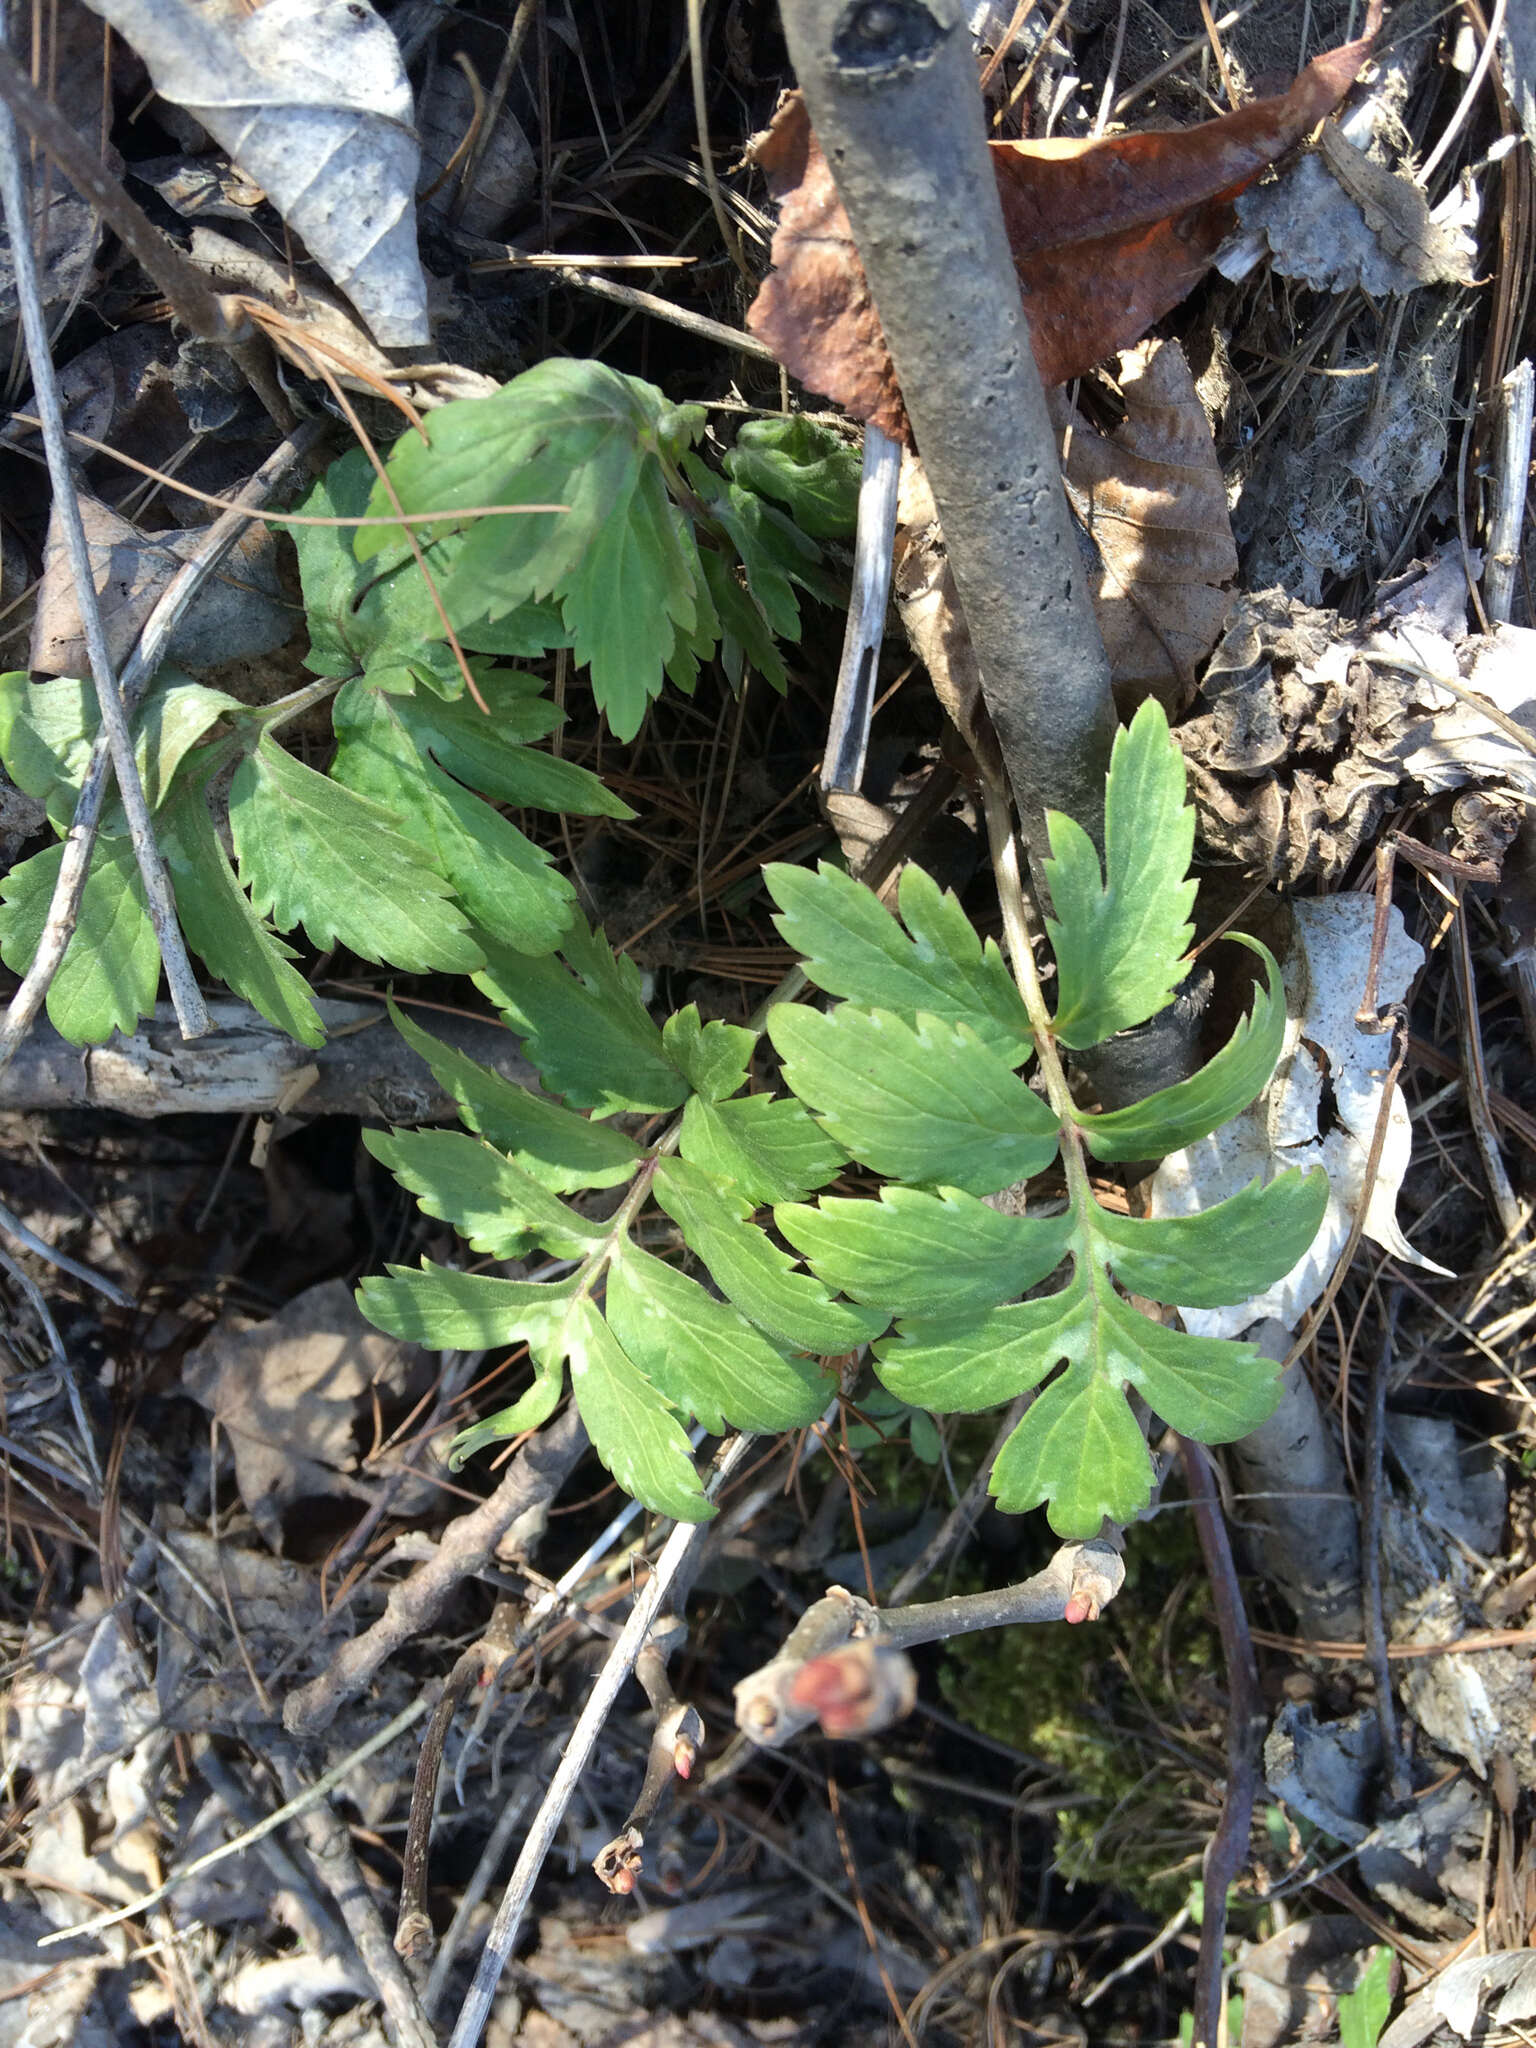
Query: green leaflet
497, 1207
774, 553
485, 751
588, 1033
531, 1410
919, 1254
1079, 1450
811, 469
855, 948
1364, 2012
561, 1150
635, 1434
505, 882
47, 731
1222, 1254
633, 1430
633, 595
445, 1310
620, 558
1179, 1116
315, 854
713, 1057
219, 923
111, 967
766, 1147
753, 1273
363, 614
925, 1102
1120, 937
703, 1355
747, 635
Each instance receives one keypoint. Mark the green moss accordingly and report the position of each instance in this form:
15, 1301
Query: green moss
1113, 1707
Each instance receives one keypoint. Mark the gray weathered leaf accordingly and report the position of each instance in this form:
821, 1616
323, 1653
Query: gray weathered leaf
311, 99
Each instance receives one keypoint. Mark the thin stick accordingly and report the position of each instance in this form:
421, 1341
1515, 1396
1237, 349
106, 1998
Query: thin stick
191, 1011
610, 1682
1375, 1628
1227, 1851
142, 664
723, 220
848, 733
1511, 469
311, 1796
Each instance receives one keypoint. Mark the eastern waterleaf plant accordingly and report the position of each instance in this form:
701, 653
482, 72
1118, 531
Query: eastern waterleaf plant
401, 850
917, 1072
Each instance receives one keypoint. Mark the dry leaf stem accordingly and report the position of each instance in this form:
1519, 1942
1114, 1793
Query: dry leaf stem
191, 1011
137, 671
892, 94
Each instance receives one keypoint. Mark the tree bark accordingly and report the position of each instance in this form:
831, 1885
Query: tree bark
892, 91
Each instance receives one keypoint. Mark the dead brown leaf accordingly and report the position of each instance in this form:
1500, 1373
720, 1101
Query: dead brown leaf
1107, 235
288, 1392
1153, 497
1157, 545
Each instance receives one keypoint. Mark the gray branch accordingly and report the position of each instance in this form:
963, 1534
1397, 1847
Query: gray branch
891, 87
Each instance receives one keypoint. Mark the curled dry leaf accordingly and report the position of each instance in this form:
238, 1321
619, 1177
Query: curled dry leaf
1339, 220
1158, 546
1106, 234
311, 99
1290, 1124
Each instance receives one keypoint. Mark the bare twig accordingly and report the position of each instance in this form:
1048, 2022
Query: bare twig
848, 733
675, 1744
251, 1067
610, 1681
776, 1701
191, 1013
1370, 1550
331, 1850
892, 94
1227, 1851
311, 1796
1511, 474
137, 671
533, 1478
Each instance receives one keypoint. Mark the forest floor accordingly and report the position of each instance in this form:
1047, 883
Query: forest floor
214, 1473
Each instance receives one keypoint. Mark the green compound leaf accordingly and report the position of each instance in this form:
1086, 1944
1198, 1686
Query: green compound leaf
445, 1310
111, 968
918, 1254
714, 1057
1190, 1110
633, 1431
588, 1032
809, 468
1222, 1254
486, 753
775, 555
1120, 938
855, 948
621, 559
47, 731
505, 882
766, 1147
753, 1273
706, 1358
497, 1207
315, 854
219, 923
924, 1102
561, 1150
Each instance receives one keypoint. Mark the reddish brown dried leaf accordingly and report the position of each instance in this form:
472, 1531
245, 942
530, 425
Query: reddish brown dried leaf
1107, 236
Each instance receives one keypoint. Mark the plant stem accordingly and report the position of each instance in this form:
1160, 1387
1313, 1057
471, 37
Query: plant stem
893, 95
